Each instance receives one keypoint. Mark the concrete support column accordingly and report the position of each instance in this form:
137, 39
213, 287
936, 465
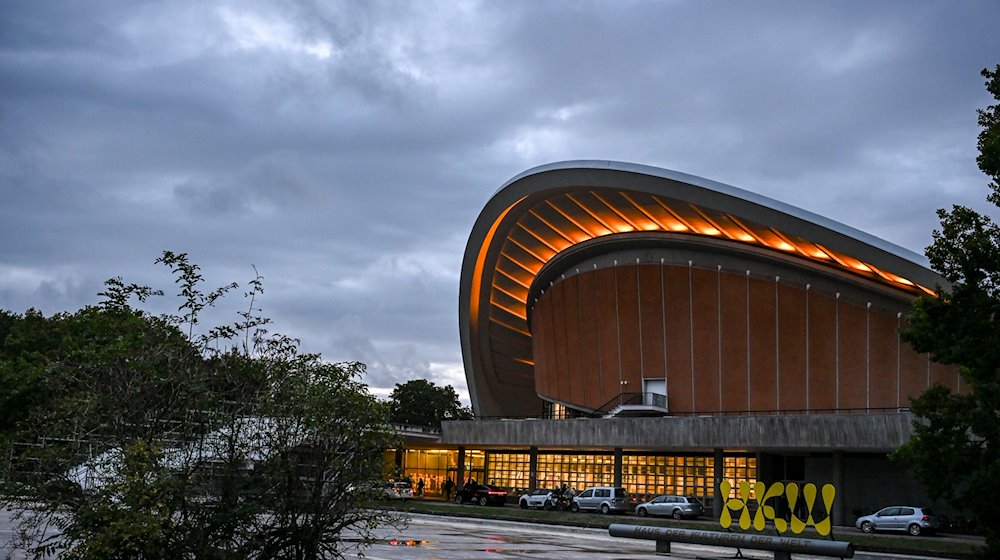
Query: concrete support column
838, 482
399, 459
618, 466
461, 467
719, 472
532, 468
486, 469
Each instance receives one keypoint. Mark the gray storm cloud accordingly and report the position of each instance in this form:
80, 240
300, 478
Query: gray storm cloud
345, 149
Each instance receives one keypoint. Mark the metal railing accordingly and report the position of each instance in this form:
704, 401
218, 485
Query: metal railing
632, 399
755, 412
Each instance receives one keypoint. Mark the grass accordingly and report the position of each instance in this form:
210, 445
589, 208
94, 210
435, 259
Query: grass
901, 544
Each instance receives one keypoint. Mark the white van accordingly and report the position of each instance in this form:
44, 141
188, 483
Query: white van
605, 499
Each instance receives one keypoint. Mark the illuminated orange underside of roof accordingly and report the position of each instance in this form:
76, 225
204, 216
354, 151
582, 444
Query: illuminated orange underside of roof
561, 221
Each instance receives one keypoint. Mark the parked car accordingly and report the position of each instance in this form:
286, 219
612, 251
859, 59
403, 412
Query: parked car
534, 499
398, 490
678, 507
482, 494
605, 499
914, 520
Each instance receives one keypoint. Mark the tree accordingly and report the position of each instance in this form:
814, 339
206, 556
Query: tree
955, 448
137, 436
422, 403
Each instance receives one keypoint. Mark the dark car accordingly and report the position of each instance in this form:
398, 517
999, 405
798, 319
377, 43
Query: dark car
482, 494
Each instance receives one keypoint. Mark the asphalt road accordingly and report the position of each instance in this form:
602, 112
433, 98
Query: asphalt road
430, 537
434, 537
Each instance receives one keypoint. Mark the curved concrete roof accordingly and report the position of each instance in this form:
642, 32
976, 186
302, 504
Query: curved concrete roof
546, 211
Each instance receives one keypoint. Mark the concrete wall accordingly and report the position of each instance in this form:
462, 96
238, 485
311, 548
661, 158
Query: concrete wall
859, 432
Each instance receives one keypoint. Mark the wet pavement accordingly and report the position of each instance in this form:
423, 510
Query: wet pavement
430, 537
435, 537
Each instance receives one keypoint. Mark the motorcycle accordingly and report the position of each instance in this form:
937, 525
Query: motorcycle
558, 501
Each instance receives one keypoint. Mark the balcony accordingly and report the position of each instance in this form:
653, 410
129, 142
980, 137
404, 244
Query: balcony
630, 405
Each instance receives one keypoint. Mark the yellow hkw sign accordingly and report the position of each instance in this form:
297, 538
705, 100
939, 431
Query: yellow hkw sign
766, 511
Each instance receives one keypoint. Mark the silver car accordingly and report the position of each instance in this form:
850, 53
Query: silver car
678, 507
605, 499
914, 520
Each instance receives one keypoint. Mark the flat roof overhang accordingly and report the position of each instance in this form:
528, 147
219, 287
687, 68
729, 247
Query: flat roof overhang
857, 433
548, 212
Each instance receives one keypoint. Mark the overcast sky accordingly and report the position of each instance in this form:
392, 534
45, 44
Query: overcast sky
345, 149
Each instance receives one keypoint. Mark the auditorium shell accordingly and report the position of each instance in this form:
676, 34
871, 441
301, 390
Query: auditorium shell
630, 325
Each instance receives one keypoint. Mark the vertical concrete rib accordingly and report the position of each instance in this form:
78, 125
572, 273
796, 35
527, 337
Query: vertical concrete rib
638, 305
748, 339
836, 354
868, 356
899, 356
597, 313
807, 346
777, 346
663, 317
718, 305
691, 329
618, 331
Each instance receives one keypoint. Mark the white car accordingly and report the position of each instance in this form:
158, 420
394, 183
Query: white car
399, 490
534, 499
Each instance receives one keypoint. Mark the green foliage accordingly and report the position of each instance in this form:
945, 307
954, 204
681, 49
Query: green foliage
422, 403
136, 436
955, 449
989, 137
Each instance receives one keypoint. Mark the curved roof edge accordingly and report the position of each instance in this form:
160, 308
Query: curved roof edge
507, 393
730, 190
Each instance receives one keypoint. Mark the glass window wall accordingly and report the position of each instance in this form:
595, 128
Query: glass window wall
643, 475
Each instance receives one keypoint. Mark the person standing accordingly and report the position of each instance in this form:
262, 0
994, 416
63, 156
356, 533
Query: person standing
448, 485
420, 488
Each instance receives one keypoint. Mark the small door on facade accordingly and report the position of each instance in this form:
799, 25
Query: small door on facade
654, 392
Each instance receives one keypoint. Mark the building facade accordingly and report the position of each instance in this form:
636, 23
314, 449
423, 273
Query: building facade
628, 325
